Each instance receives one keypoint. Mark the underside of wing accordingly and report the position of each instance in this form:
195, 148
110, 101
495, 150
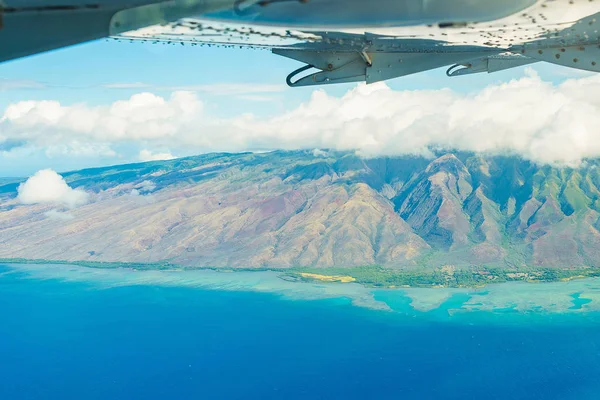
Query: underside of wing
556, 31
34, 26
338, 41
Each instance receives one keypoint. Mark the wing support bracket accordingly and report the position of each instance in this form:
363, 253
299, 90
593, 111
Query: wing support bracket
291, 76
489, 64
332, 67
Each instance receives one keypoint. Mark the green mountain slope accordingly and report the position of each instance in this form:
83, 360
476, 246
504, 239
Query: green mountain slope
292, 209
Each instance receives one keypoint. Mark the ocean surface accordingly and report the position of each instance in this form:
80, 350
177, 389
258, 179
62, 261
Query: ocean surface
76, 333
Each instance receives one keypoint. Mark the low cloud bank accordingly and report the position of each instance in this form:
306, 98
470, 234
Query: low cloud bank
535, 119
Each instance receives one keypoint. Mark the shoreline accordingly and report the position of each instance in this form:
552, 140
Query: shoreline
376, 277
573, 296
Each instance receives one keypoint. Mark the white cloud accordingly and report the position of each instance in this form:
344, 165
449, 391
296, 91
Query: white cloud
146, 186
538, 120
58, 216
320, 153
147, 155
143, 116
48, 187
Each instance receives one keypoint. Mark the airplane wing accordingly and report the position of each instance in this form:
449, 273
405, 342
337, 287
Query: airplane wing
33, 26
336, 40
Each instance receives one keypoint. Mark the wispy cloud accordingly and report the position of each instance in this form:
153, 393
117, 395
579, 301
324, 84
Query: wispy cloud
257, 97
126, 85
228, 89
219, 89
19, 84
58, 216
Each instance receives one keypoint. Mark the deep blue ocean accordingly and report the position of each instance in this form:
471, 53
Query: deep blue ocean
61, 340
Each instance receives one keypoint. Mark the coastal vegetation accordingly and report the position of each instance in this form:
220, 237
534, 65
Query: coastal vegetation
449, 276
371, 275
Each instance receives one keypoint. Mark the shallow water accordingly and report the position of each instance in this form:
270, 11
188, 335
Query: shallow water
71, 333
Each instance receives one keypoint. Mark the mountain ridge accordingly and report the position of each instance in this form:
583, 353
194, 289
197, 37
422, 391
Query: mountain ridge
288, 209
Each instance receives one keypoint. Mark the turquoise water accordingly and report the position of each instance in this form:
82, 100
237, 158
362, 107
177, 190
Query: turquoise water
74, 339
579, 302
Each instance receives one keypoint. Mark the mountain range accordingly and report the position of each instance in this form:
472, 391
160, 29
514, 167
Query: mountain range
317, 209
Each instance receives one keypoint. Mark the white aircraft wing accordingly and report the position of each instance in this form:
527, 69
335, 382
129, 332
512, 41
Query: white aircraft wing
337, 40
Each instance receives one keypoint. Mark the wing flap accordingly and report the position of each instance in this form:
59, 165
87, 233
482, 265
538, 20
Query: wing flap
393, 65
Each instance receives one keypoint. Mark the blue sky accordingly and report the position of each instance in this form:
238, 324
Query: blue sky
228, 82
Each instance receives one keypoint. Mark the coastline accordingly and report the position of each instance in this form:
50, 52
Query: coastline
571, 296
372, 276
